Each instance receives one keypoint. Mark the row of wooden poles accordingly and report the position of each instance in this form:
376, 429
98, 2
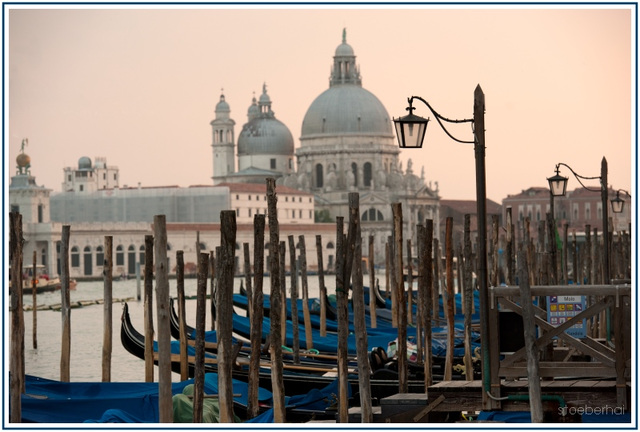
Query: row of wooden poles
431, 283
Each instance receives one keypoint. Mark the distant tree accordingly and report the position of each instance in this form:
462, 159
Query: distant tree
323, 216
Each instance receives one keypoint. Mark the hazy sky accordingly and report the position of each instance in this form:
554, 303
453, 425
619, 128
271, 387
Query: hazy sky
139, 85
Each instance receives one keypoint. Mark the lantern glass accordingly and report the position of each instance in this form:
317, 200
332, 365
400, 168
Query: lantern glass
410, 130
617, 204
558, 185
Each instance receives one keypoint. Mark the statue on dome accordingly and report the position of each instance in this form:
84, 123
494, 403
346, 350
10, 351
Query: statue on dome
23, 160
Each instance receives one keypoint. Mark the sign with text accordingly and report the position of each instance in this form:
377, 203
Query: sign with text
562, 308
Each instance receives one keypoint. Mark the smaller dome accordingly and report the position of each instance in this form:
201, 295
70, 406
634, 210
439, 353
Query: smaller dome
264, 98
254, 110
344, 50
23, 160
84, 163
222, 106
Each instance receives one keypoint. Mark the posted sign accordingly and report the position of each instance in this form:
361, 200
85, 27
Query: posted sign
562, 308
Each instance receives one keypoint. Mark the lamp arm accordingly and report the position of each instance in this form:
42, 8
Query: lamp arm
622, 190
578, 177
440, 117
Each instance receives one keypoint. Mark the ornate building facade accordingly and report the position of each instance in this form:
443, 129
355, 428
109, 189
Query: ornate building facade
347, 145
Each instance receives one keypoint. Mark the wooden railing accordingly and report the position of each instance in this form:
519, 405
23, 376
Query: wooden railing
608, 359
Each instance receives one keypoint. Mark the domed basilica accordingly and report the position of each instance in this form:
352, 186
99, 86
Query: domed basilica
346, 145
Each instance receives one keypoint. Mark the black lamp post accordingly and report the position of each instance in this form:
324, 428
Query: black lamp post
411, 132
558, 187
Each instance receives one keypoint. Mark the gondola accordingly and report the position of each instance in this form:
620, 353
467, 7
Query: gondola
384, 381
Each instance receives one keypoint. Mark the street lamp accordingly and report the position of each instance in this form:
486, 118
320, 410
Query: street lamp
558, 187
617, 203
411, 131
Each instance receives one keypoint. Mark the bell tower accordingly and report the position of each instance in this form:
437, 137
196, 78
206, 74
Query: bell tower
223, 142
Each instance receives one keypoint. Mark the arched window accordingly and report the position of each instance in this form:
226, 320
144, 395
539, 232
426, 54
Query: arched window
354, 169
330, 245
99, 256
75, 257
119, 255
88, 269
141, 254
368, 174
132, 259
319, 178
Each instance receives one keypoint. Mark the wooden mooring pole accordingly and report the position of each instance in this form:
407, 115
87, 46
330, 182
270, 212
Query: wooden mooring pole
305, 294
224, 310
107, 342
184, 360
448, 298
165, 403
16, 361
322, 288
403, 372
198, 376
360, 325
65, 311
343, 323
148, 309
428, 297
275, 297
257, 314
372, 281
34, 295
294, 300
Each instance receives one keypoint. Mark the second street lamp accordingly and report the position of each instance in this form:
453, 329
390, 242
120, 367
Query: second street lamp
558, 187
617, 203
411, 132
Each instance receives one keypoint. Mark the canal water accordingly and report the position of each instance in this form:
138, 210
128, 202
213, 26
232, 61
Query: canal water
87, 328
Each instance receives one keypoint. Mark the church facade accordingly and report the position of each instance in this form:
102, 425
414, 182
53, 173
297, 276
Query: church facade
347, 145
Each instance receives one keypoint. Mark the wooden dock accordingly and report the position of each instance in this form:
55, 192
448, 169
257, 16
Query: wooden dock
467, 395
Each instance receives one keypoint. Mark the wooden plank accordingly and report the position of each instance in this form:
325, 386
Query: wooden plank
552, 290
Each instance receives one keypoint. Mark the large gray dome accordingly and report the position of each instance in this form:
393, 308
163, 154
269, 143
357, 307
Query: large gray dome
346, 108
265, 135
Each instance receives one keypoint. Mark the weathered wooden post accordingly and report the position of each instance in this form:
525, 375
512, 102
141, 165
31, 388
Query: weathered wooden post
148, 308
294, 300
305, 293
448, 298
322, 288
409, 295
360, 325
468, 296
257, 314
275, 297
184, 355
165, 403
16, 361
65, 311
420, 310
528, 319
435, 292
509, 248
387, 265
282, 250
247, 277
428, 297
213, 267
224, 301
34, 295
403, 372
343, 322
198, 375
372, 281
107, 272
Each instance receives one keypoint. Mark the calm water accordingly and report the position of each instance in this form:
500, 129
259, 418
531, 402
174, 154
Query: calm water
87, 328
